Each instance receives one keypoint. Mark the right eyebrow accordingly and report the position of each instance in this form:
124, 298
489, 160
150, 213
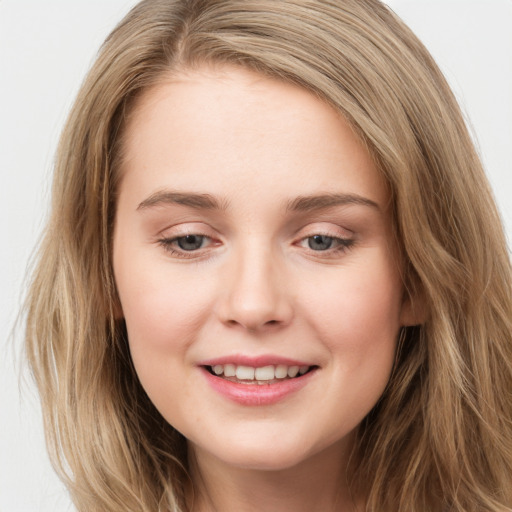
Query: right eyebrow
168, 197
323, 201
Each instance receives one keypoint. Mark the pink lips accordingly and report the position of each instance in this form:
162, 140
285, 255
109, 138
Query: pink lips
255, 362
255, 394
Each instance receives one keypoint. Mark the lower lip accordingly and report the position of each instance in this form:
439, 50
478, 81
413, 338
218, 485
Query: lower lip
257, 394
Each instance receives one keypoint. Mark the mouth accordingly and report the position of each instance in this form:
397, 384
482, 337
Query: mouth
262, 375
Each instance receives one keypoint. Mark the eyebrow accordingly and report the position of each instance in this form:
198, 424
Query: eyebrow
322, 201
166, 197
209, 202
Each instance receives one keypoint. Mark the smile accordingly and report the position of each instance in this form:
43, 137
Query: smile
256, 382
260, 375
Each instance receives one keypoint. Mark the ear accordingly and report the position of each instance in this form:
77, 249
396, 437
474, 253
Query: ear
414, 309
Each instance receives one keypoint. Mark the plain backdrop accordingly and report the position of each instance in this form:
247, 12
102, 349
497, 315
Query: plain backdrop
45, 49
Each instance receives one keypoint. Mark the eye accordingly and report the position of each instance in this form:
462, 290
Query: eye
320, 242
190, 242
324, 243
186, 245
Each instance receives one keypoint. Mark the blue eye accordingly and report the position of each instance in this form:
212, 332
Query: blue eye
185, 246
326, 245
190, 242
320, 242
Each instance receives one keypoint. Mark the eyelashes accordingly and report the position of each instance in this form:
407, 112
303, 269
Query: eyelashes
191, 242
323, 243
186, 246
197, 245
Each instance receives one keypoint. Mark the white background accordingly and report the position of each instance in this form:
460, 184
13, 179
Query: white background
46, 48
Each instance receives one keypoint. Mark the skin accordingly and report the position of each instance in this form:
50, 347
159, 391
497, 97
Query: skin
256, 286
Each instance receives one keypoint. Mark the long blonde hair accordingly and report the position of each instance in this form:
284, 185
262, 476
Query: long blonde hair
440, 438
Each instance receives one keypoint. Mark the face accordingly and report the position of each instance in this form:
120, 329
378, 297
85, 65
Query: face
256, 269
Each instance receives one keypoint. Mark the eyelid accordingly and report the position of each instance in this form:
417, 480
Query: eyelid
168, 237
341, 245
170, 246
187, 228
344, 238
326, 229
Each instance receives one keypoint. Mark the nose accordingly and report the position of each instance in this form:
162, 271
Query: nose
255, 292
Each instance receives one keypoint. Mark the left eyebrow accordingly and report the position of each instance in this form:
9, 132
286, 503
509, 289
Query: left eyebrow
167, 197
322, 201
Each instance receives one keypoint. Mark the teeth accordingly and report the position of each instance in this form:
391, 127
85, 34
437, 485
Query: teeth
229, 370
244, 373
292, 371
263, 373
281, 371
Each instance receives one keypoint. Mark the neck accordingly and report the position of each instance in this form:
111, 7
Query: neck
318, 483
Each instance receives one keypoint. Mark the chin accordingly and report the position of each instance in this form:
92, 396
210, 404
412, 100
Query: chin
271, 454
268, 460
260, 460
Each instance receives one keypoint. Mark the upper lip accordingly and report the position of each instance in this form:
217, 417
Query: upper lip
254, 361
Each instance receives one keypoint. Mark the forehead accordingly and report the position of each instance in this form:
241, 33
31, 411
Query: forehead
228, 122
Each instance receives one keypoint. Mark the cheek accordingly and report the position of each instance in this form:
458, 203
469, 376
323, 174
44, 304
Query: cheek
163, 311
164, 314
357, 313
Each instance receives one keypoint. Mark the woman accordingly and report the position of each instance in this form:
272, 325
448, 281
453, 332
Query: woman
274, 276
